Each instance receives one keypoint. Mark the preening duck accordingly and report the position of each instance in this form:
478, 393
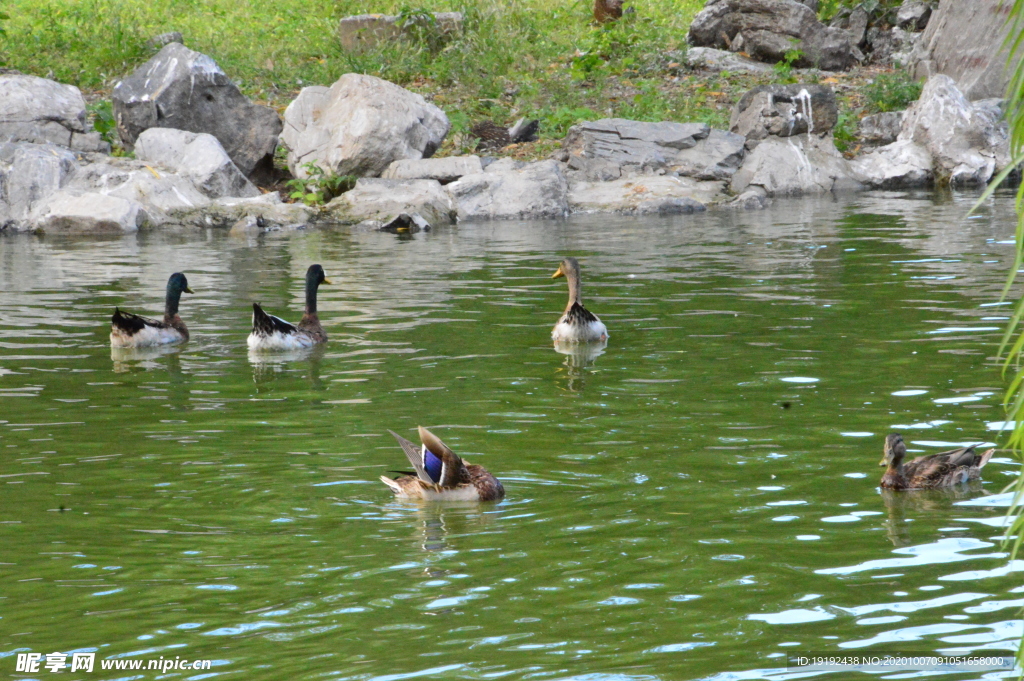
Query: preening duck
578, 324
441, 475
944, 469
273, 333
129, 330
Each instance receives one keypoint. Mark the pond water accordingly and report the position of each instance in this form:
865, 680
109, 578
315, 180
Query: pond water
698, 501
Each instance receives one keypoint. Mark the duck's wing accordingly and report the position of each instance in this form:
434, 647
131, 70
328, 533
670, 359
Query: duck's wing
267, 324
577, 315
434, 461
415, 456
937, 467
130, 324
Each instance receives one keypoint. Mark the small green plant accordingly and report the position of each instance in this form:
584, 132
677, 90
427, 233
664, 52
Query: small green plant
845, 131
784, 68
891, 92
421, 25
556, 123
319, 186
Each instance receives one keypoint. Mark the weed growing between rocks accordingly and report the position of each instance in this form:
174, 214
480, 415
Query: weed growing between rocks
891, 92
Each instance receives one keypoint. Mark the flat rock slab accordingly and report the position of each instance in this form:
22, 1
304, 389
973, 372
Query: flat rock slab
712, 59
608, 148
366, 31
44, 111
197, 156
536, 190
444, 170
384, 200
88, 213
359, 126
644, 195
182, 89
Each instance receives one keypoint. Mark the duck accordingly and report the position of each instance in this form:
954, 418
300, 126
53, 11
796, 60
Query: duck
577, 324
934, 471
441, 475
129, 330
273, 333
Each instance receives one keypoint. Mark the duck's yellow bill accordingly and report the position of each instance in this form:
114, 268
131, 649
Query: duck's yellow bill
188, 290
327, 281
558, 273
883, 462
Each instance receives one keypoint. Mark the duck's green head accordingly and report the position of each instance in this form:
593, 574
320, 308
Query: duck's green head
315, 276
178, 284
895, 450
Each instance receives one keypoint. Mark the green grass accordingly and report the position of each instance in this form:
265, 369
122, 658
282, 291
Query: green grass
515, 57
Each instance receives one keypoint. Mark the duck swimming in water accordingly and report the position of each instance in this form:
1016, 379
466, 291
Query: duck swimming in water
129, 330
944, 469
273, 333
441, 475
577, 324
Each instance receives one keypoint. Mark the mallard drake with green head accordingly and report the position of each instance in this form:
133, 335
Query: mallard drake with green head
441, 475
129, 330
273, 333
577, 324
944, 469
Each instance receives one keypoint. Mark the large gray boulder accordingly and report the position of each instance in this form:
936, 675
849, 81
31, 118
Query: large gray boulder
384, 200
968, 142
502, 191
791, 166
359, 126
43, 111
966, 41
29, 173
784, 111
716, 157
199, 157
768, 30
183, 89
900, 165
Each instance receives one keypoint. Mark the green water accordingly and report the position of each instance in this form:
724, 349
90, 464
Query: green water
698, 502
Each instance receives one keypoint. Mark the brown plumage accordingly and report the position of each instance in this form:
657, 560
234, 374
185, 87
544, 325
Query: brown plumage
944, 469
606, 11
441, 475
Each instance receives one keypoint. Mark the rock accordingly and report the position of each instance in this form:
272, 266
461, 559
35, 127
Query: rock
365, 31
768, 30
359, 126
88, 213
240, 213
968, 142
855, 22
538, 190
966, 41
32, 173
384, 200
162, 194
784, 110
158, 41
913, 15
43, 111
754, 198
610, 147
790, 166
199, 157
643, 195
902, 164
711, 59
406, 223
716, 157
880, 128
186, 90
890, 45
444, 170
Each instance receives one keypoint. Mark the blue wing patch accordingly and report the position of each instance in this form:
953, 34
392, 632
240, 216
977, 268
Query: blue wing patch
432, 464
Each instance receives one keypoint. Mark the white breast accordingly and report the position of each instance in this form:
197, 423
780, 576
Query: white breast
279, 341
585, 333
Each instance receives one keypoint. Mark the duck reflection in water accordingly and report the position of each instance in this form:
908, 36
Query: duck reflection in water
437, 525
579, 356
905, 506
146, 358
268, 367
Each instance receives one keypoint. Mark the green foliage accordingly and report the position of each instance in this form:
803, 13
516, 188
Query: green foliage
882, 11
845, 131
891, 92
784, 68
319, 186
558, 121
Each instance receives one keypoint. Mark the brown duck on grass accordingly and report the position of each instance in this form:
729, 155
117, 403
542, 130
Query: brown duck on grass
944, 469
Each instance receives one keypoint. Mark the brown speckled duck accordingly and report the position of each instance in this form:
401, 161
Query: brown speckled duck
441, 475
930, 472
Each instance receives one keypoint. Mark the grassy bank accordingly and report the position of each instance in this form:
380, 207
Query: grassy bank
538, 58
